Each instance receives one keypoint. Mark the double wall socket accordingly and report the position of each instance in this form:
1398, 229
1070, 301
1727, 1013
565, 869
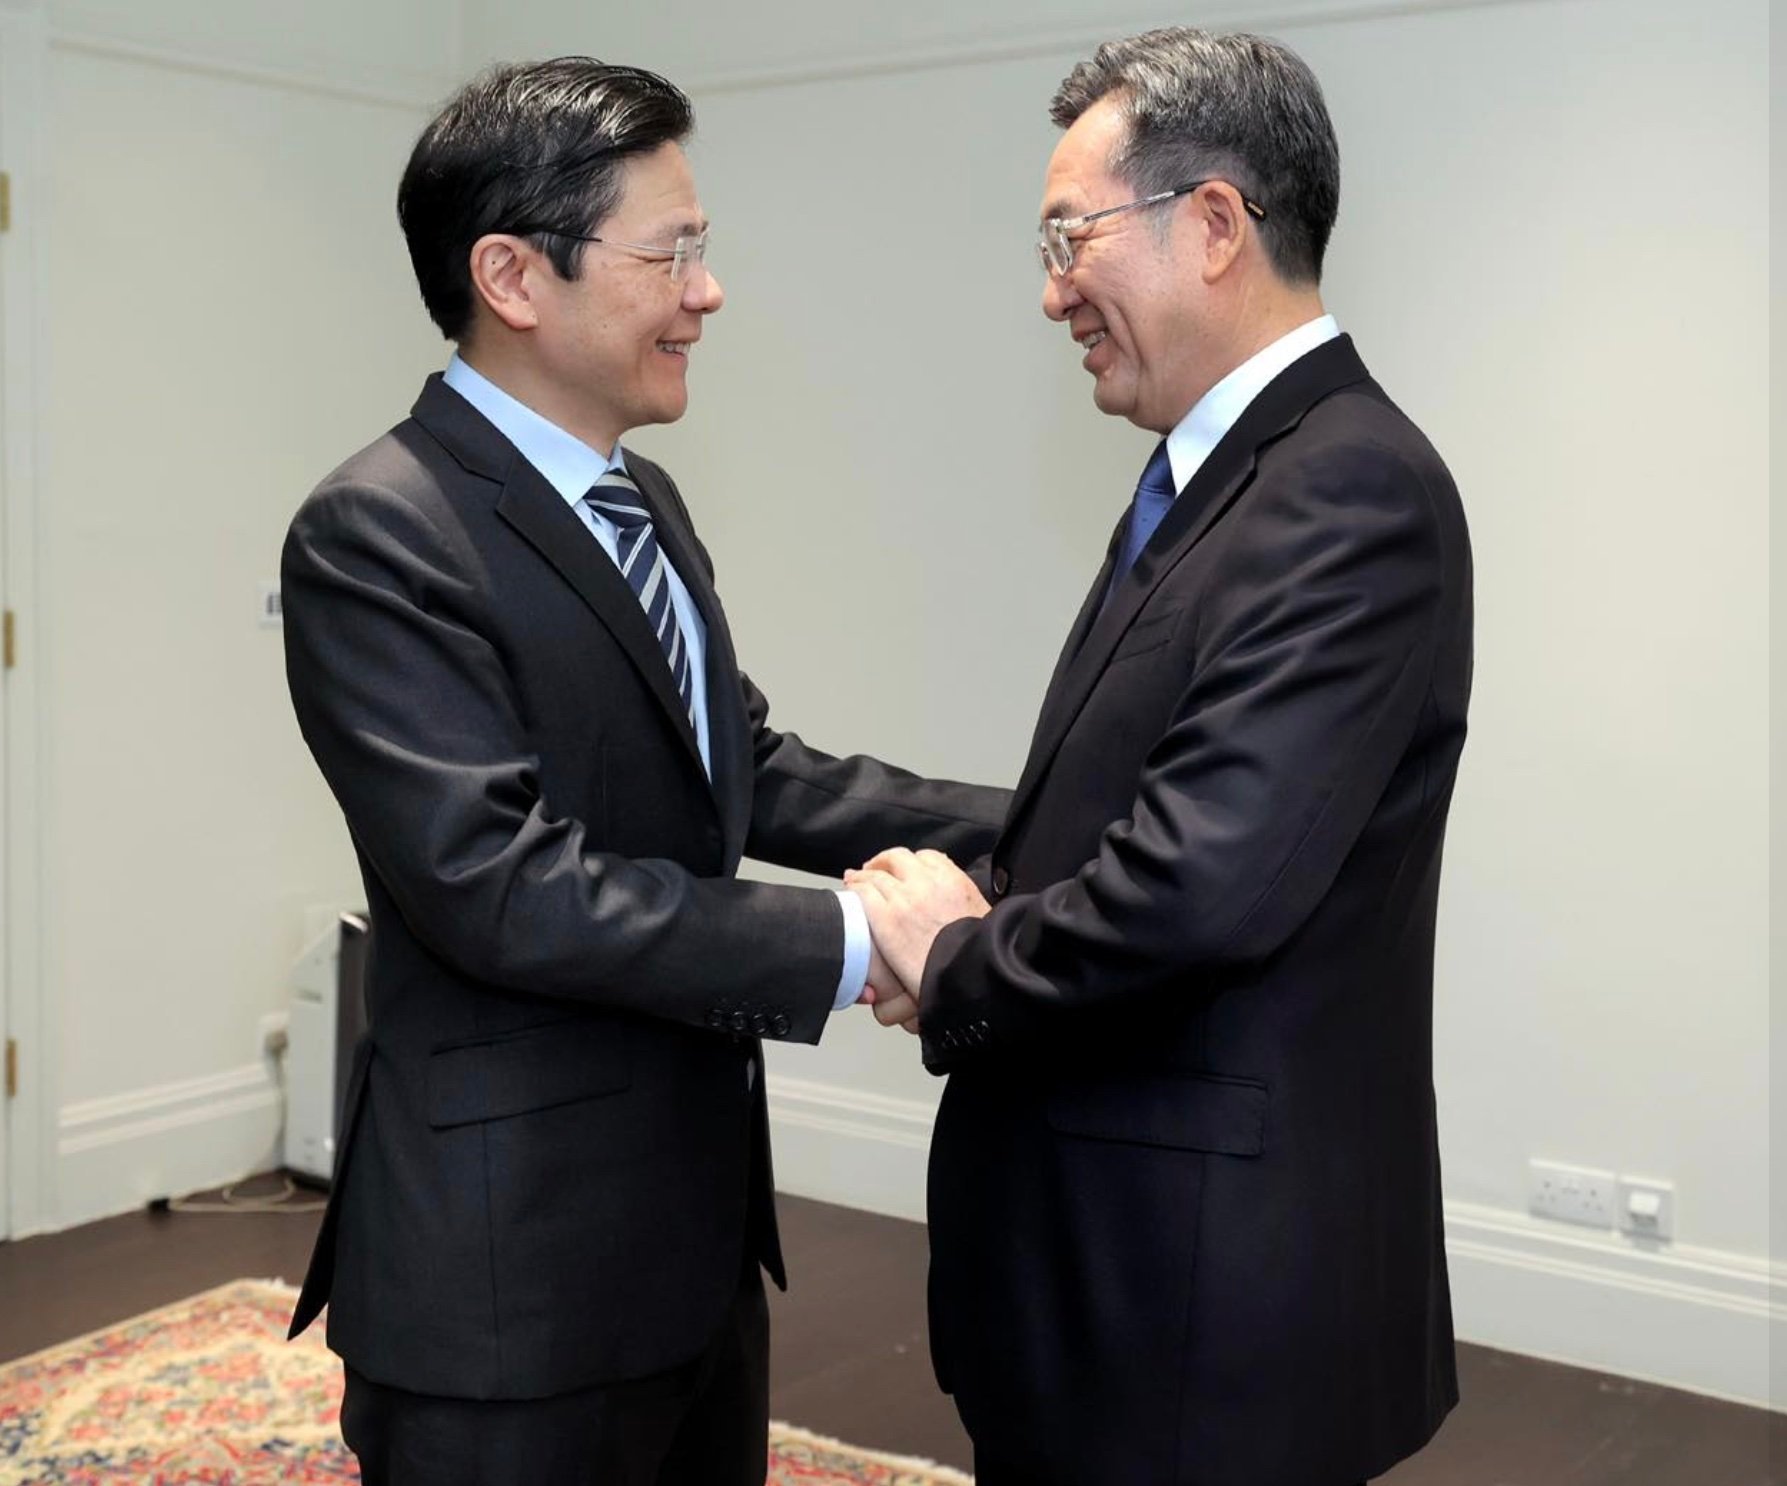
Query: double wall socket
1599, 1199
1573, 1194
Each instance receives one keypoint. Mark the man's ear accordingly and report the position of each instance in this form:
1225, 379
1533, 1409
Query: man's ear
1221, 215
502, 269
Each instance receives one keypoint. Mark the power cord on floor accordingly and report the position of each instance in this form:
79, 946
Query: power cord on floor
227, 1201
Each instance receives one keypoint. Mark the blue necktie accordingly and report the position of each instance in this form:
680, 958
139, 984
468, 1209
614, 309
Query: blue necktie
642, 565
1154, 495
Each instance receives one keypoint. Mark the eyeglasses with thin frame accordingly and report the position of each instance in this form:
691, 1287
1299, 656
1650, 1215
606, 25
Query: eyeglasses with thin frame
1055, 248
686, 250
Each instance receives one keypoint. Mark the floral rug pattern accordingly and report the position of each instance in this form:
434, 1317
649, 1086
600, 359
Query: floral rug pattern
209, 1391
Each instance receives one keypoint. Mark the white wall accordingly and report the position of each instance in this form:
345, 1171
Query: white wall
394, 47
1553, 248
1777, 484
225, 312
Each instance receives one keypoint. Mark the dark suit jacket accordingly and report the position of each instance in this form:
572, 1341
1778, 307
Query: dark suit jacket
556, 1149
1185, 1192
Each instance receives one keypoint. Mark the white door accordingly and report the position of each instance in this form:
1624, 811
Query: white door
23, 50
8, 856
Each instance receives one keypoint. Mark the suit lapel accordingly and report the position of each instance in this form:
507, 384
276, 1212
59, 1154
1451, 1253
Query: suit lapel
1076, 637
534, 509
1280, 406
728, 737
540, 514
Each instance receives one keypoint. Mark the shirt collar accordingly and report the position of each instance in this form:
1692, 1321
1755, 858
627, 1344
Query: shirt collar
1219, 409
569, 465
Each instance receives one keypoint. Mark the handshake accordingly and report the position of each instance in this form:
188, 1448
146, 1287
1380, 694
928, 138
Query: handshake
909, 896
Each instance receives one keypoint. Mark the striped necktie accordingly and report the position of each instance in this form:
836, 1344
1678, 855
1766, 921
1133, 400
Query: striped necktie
617, 498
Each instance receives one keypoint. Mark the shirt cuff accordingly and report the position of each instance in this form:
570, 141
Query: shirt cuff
856, 951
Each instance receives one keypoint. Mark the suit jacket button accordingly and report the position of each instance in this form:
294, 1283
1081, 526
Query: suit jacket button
780, 1026
717, 1019
759, 1023
739, 1022
1001, 882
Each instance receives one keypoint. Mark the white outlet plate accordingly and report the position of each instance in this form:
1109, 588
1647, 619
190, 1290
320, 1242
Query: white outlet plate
1646, 1209
1573, 1194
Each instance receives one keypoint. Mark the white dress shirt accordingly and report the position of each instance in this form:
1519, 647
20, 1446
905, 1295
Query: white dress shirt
1219, 409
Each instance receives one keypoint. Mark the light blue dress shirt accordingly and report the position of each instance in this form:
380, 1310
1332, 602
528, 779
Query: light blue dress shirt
571, 467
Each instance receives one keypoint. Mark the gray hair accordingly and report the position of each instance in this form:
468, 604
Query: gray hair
1242, 108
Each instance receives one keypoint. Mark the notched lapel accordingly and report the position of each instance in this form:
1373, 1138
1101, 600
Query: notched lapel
540, 515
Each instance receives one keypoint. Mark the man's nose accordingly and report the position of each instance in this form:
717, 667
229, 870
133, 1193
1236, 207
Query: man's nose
703, 293
1059, 298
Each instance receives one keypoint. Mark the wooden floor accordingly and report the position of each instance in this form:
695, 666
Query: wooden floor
849, 1353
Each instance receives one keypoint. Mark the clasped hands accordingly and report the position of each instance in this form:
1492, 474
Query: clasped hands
909, 896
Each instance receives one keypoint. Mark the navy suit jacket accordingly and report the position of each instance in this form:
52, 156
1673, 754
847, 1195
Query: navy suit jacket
1185, 1191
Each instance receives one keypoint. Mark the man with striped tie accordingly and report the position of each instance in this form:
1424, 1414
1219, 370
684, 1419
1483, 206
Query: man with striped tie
552, 1198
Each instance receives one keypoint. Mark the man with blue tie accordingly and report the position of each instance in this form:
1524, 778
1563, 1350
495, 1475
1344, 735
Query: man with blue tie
552, 1199
1184, 1191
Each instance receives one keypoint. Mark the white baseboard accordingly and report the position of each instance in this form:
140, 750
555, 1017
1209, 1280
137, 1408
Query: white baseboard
1698, 1319
115, 1154
841, 1145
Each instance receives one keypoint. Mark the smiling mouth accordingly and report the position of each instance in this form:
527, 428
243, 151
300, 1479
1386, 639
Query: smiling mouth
675, 348
1093, 341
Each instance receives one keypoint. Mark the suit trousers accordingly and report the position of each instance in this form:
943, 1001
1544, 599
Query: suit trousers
704, 1423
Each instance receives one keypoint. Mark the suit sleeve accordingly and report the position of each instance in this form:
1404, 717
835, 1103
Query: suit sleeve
824, 814
1313, 665
405, 701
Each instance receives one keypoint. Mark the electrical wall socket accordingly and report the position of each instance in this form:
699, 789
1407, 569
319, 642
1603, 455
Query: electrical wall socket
1573, 1194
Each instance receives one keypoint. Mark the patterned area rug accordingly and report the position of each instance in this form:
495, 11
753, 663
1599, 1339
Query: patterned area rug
210, 1391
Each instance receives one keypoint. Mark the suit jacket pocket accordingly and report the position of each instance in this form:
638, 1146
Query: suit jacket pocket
1191, 1112
1149, 632
520, 1072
